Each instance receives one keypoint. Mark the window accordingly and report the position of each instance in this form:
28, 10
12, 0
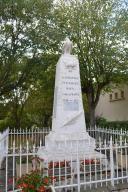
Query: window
122, 94
116, 95
110, 97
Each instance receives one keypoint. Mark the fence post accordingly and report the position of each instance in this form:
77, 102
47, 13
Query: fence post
14, 161
6, 170
78, 167
111, 162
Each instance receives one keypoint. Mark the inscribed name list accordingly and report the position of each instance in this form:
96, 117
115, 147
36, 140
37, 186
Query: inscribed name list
71, 88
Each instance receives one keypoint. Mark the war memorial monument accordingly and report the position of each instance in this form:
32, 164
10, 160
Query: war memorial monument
68, 135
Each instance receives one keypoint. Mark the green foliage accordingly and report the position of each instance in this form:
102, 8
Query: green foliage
38, 109
31, 105
20, 33
23, 40
103, 123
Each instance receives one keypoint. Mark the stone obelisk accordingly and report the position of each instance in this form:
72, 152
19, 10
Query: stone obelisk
68, 125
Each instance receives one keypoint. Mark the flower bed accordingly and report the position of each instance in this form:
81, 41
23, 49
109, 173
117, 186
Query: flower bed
34, 182
90, 161
58, 164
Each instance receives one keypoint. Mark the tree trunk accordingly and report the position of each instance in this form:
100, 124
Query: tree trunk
92, 117
91, 107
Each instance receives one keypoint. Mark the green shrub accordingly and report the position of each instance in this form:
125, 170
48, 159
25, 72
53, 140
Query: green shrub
103, 123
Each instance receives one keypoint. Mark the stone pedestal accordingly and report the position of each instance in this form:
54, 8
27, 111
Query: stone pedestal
59, 147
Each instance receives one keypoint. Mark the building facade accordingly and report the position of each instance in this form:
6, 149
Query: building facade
113, 106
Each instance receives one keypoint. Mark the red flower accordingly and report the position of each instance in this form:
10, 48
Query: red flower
24, 185
31, 186
34, 181
41, 189
46, 181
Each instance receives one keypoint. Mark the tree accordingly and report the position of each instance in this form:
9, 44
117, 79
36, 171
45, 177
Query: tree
23, 38
20, 40
31, 105
100, 43
38, 109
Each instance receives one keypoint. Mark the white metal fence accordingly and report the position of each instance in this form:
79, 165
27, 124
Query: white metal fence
34, 136
21, 136
107, 133
83, 172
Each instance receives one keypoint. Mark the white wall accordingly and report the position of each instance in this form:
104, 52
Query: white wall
116, 109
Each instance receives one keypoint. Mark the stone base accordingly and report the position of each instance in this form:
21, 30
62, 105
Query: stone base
66, 146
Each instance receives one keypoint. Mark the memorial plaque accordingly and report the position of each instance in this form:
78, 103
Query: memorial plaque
71, 105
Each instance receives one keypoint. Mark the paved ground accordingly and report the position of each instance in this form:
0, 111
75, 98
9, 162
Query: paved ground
118, 188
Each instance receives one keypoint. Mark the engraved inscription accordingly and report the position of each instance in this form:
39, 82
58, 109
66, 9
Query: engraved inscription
71, 105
